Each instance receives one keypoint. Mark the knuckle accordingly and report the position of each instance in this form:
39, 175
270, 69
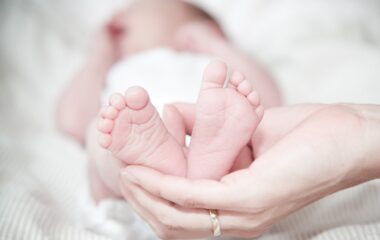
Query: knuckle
157, 230
190, 202
259, 208
168, 224
260, 222
163, 233
249, 226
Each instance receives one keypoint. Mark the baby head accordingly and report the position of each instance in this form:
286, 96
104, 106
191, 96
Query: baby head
148, 24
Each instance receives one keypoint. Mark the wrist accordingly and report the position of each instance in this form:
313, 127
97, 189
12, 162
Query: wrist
355, 133
369, 143
364, 150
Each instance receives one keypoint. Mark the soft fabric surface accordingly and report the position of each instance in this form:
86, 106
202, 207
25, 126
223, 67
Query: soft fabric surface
319, 50
167, 75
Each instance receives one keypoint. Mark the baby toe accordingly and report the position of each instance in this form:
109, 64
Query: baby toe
103, 111
260, 112
245, 87
214, 75
105, 125
105, 140
236, 78
117, 101
110, 112
254, 98
136, 98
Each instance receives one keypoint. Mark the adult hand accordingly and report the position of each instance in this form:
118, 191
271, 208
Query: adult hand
303, 153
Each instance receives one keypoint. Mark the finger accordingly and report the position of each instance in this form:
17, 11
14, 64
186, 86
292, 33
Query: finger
142, 212
173, 121
173, 221
168, 220
187, 110
207, 194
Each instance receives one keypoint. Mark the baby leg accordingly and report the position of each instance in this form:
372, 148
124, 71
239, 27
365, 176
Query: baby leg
197, 37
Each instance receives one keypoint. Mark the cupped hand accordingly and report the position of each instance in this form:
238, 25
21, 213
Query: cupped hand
302, 154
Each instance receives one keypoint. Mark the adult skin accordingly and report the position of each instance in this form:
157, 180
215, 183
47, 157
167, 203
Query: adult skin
302, 154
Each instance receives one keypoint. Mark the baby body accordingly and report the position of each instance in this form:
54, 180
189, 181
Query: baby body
130, 128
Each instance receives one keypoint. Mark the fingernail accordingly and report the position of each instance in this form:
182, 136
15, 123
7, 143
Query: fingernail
128, 176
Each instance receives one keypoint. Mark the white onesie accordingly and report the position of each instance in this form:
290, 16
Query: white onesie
167, 75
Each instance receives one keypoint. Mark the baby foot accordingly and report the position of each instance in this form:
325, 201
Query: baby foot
225, 120
131, 129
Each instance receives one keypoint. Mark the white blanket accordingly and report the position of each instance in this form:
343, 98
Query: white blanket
319, 50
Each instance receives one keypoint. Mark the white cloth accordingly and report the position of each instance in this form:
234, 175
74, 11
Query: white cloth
167, 75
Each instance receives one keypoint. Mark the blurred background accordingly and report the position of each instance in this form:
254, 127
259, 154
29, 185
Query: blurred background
317, 50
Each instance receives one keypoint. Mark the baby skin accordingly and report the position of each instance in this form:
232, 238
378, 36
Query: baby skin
226, 118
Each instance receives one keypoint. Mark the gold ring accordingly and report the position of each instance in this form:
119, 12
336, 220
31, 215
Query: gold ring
215, 222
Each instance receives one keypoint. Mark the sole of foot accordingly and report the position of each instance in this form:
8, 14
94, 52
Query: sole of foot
132, 130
